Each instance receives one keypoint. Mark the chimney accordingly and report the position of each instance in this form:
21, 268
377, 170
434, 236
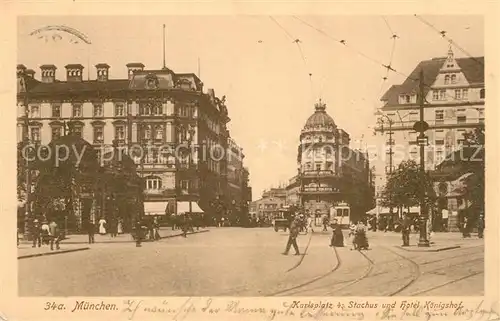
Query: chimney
133, 67
48, 73
21, 69
74, 72
30, 73
102, 72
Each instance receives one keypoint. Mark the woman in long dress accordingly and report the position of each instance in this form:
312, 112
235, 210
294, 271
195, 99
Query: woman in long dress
102, 228
120, 226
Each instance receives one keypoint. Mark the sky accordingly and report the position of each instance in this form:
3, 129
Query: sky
254, 61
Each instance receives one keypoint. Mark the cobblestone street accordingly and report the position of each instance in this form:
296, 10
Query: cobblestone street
248, 262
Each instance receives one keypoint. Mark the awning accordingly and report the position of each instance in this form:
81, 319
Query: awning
183, 207
155, 208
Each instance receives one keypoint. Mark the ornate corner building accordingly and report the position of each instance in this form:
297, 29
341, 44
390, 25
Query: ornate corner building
329, 171
175, 132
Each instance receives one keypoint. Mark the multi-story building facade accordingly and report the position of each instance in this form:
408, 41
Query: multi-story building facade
329, 172
235, 192
271, 200
454, 104
175, 132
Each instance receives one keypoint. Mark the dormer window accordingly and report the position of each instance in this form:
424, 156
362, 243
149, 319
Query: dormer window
446, 79
453, 79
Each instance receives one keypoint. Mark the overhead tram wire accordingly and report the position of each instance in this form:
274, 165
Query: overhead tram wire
450, 40
388, 67
297, 42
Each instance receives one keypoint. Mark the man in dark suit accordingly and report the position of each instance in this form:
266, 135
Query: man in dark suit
292, 238
405, 230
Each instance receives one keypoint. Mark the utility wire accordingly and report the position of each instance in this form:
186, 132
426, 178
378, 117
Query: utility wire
388, 67
297, 42
451, 41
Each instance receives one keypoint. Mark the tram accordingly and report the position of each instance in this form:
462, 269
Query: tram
342, 213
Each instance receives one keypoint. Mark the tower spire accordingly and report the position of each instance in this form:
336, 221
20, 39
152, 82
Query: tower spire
450, 52
164, 64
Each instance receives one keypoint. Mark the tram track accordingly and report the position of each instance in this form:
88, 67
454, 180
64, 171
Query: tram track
313, 280
446, 283
416, 273
302, 256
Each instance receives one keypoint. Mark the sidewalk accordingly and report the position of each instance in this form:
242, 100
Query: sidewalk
25, 251
440, 241
121, 238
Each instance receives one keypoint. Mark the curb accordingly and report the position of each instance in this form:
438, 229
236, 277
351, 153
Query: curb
131, 241
52, 253
189, 233
430, 250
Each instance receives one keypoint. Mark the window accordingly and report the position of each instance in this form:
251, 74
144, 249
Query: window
481, 94
458, 94
77, 110
98, 110
439, 116
435, 95
35, 134
460, 141
318, 167
184, 184
407, 99
34, 111
481, 114
465, 94
158, 132
119, 109
446, 79
120, 132
56, 132
439, 141
56, 111
442, 95
98, 134
461, 119
153, 183
439, 156
453, 79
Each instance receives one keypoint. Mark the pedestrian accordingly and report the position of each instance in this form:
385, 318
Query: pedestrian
480, 226
45, 232
138, 233
292, 238
102, 226
405, 229
55, 236
310, 224
36, 233
325, 223
119, 228
91, 231
156, 228
337, 237
466, 227
360, 240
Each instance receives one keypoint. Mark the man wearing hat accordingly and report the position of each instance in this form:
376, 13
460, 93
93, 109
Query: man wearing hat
292, 238
35, 232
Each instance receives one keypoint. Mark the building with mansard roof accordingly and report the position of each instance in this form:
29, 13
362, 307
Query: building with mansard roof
158, 111
454, 92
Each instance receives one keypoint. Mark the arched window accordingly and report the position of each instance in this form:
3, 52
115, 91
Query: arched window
159, 132
453, 79
482, 93
153, 183
446, 79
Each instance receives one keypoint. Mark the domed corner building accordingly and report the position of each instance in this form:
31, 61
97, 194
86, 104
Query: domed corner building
334, 180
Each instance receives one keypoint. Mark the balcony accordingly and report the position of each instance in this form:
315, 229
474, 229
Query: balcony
320, 173
318, 190
439, 123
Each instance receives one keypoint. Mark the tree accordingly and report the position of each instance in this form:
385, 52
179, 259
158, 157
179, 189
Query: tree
404, 186
475, 163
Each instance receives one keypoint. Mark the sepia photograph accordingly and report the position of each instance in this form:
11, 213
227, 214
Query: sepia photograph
251, 156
